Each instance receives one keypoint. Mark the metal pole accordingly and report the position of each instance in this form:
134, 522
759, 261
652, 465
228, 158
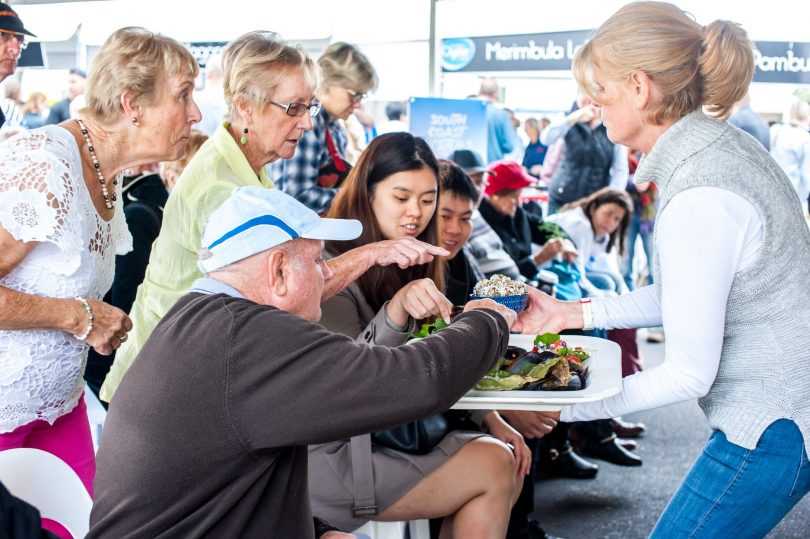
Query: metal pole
433, 47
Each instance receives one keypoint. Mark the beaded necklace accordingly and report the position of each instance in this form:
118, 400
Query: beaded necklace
109, 200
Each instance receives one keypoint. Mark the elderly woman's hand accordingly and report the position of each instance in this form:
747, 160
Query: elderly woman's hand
405, 252
418, 299
110, 327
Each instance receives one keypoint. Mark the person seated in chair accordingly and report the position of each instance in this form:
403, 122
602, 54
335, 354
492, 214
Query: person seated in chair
213, 442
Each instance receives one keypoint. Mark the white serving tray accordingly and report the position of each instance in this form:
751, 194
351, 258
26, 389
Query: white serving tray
604, 381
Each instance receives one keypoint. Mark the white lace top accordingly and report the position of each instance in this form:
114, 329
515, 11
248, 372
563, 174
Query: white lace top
43, 198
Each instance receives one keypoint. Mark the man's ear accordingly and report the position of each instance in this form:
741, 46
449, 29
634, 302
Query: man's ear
277, 271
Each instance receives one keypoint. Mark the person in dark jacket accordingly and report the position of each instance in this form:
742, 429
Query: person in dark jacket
501, 208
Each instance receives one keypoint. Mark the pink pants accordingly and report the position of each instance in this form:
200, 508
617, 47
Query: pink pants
68, 438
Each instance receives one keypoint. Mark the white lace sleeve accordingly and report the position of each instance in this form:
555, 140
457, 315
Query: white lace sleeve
38, 195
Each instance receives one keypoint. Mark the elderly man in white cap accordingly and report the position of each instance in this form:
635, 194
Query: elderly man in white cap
207, 434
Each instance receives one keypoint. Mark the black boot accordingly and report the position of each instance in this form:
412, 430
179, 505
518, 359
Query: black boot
597, 440
565, 462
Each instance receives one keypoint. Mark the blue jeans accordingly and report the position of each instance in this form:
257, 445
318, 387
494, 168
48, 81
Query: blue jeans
736, 492
626, 262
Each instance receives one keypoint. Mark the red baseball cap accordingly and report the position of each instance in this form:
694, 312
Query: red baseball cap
506, 175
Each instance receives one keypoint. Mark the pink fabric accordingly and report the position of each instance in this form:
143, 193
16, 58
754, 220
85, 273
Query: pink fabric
69, 439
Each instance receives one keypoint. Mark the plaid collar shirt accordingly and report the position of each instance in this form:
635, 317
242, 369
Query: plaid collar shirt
298, 176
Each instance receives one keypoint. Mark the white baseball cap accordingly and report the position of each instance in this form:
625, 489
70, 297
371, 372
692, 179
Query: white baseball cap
254, 219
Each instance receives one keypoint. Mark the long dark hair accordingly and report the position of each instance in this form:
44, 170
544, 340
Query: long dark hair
385, 156
604, 196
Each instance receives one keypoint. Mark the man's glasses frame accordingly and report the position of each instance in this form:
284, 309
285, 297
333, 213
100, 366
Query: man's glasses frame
298, 109
6, 37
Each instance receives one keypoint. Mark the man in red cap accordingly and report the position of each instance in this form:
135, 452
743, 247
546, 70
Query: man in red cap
12, 42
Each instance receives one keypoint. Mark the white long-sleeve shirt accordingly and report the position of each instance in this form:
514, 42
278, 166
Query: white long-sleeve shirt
705, 236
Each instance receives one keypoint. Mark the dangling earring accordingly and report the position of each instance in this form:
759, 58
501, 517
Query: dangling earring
243, 138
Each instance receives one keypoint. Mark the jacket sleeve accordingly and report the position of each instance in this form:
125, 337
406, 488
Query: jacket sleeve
292, 382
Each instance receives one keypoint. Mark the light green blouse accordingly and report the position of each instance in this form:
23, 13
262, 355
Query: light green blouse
218, 168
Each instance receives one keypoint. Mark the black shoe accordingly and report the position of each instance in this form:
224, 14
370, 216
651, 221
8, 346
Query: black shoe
625, 429
566, 463
610, 450
530, 530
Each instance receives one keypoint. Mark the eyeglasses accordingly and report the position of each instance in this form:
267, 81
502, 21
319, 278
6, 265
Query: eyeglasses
298, 109
355, 97
6, 37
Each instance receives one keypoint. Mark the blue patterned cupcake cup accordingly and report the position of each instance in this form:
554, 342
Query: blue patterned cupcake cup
516, 303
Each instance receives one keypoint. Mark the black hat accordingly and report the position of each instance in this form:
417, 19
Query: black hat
10, 21
468, 160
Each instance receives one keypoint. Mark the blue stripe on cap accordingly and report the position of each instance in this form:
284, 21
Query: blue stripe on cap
269, 220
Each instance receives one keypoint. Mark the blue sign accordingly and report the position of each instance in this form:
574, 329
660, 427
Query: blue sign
450, 124
457, 53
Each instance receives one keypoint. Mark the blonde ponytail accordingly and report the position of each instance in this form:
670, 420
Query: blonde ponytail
726, 67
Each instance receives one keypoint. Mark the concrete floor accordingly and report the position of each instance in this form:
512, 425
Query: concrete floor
626, 502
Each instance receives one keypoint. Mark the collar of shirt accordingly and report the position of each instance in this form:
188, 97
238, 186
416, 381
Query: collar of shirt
235, 157
207, 285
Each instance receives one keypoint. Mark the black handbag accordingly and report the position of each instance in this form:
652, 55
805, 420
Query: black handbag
417, 437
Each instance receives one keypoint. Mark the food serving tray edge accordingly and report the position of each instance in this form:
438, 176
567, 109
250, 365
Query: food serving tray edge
604, 380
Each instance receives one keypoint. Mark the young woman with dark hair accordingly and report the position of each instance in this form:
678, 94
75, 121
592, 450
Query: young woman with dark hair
469, 478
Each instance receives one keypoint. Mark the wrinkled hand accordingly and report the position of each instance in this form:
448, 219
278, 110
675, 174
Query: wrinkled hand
530, 424
509, 315
543, 314
405, 252
419, 299
110, 327
501, 430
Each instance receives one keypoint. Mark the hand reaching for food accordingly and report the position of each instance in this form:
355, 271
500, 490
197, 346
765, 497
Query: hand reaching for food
418, 299
509, 315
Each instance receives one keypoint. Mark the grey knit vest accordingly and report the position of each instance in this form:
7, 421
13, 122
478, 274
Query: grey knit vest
764, 372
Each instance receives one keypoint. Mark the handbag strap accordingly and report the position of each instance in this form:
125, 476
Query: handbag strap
365, 503
340, 164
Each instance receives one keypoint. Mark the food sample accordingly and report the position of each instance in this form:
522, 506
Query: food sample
498, 286
550, 366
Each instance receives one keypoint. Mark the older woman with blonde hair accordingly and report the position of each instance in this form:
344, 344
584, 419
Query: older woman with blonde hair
319, 166
61, 225
269, 88
732, 251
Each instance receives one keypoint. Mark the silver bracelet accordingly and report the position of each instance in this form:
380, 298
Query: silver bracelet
89, 311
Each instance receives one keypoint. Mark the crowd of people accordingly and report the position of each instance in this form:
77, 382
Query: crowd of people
242, 289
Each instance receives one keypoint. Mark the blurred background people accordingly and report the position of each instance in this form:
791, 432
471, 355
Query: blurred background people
743, 117
501, 135
76, 81
35, 110
790, 147
535, 151
211, 98
397, 118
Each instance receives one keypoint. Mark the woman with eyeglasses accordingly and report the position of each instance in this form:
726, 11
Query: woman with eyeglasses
269, 89
62, 225
319, 165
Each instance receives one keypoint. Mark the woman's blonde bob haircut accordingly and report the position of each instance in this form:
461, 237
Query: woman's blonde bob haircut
136, 60
254, 65
344, 65
691, 65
